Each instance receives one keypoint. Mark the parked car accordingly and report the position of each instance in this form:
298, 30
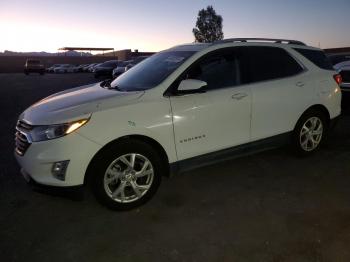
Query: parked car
79, 68
86, 67
105, 69
336, 59
135, 62
121, 68
92, 68
51, 68
66, 68
34, 66
185, 107
344, 70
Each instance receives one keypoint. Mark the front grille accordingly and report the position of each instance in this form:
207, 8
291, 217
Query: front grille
345, 75
24, 126
22, 142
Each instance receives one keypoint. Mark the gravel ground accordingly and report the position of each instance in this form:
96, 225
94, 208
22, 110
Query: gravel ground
266, 207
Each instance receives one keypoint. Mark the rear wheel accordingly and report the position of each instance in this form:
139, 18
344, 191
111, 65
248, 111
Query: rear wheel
310, 132
126, 175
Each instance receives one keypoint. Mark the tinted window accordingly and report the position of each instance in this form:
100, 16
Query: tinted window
218, 70
266, 63
317, 57
152, 71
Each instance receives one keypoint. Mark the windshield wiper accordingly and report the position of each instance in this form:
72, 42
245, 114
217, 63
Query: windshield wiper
106, 83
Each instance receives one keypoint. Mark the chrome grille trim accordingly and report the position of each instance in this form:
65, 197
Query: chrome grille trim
22, 139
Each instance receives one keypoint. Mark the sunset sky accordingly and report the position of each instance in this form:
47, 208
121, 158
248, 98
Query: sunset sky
153, 25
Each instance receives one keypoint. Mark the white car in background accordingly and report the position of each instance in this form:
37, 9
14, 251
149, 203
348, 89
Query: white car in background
344, 69
51, 68
65, 68
182, 108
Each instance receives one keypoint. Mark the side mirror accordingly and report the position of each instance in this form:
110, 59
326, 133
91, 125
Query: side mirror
191, 86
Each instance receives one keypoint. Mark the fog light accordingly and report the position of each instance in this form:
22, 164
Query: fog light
59, 169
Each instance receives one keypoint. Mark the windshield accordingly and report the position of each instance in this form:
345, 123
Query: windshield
151, 72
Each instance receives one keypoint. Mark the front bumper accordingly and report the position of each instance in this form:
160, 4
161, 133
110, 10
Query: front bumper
39, 158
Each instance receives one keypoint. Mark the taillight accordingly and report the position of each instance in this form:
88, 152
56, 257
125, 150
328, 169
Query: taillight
338, 79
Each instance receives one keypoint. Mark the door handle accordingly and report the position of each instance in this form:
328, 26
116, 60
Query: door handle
239, 96
300, 84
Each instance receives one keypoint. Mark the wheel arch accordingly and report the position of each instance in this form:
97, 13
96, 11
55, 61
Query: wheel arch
318, 108
155, 144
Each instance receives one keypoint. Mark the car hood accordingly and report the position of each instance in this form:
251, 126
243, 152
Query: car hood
76, 103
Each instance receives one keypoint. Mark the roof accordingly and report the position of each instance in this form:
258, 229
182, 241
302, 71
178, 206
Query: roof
200, 46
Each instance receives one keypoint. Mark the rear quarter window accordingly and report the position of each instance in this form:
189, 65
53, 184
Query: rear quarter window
317, 57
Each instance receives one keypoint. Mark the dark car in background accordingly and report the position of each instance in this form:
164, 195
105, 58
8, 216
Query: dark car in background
106, 68
34, 66
121, 68
135, 62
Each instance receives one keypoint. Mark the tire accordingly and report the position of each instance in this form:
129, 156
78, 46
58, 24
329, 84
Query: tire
114, 182
310, 132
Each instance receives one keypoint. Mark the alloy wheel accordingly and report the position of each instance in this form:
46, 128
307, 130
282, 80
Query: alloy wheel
128, 178
311, 134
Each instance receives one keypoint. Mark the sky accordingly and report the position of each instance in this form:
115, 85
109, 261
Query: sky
154, 25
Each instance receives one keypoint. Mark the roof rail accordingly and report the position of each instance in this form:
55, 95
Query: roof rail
278, 41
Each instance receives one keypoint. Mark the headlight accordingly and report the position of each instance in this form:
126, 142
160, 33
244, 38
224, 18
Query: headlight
42, 133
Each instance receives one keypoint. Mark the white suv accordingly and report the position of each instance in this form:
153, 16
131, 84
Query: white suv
184, 107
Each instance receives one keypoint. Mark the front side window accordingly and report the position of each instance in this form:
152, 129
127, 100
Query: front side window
151, 72
218, 70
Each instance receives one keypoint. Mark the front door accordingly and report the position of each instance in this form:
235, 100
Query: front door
220, 117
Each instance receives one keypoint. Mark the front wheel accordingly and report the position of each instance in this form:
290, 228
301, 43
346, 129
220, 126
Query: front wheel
127, 175
310, 133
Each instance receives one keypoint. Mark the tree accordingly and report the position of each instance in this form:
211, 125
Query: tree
208, 26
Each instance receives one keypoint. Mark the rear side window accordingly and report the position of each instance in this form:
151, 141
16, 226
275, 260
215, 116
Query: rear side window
317, 57
262, 63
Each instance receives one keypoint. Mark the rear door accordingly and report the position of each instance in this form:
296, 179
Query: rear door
281, 89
